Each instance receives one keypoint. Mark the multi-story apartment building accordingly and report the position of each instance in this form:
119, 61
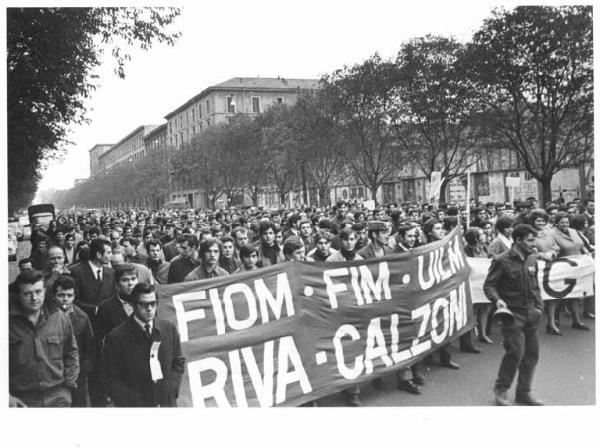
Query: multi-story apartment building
156, 139
129, 149
95, 153
237, 95
215, 104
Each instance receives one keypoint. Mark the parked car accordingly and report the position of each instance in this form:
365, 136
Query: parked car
13, 226
13, 246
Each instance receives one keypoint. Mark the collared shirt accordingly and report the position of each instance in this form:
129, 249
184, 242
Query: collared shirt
126, 305
143, 324
95, 270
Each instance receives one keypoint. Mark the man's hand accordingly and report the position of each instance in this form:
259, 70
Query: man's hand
500, 304
14, 402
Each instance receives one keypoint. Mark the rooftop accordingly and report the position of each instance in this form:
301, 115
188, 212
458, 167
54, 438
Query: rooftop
156, 130
145, 130
276, 84
107, 146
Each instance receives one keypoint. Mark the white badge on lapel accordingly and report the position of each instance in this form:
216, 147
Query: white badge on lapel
155, 370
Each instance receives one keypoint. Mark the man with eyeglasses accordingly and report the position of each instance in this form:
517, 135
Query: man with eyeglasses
142, 363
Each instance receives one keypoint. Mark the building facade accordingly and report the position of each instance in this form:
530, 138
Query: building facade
216, 103
129, 149
95, 153
156, 139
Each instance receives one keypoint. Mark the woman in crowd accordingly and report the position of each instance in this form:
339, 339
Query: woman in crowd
545, 250
502, 242
580, 224
569, 243
476, 248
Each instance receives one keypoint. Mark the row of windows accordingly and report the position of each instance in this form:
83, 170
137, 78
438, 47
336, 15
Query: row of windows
256, 107
230, 103
177, 123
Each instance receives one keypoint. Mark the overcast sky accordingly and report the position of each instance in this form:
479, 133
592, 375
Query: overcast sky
225, 39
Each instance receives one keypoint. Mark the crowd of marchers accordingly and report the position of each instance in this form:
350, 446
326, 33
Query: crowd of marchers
83, 329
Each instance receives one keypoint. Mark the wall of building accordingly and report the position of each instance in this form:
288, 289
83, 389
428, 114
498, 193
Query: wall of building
215, 108
96, 165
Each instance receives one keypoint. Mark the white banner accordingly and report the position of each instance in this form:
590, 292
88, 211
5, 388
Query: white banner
563, 278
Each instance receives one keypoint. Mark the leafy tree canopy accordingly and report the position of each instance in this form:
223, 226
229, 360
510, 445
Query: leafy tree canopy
51, 56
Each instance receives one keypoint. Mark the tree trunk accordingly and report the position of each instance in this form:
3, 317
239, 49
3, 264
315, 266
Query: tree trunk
442, 192
374, 189
282, 199
323, 196
546, 193
304, 184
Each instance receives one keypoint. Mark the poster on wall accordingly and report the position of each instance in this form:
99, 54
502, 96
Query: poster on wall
566, 181
496, 182
457, 192
529, 186
482, 186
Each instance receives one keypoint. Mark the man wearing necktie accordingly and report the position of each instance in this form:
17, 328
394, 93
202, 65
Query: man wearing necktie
142, 364
94, 283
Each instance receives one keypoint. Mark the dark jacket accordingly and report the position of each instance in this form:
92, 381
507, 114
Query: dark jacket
231, 265
85, 340
263, 258
514, 280
160, 270
170, 249
88, 291
110, 315
42, 356
180, 268
126, 365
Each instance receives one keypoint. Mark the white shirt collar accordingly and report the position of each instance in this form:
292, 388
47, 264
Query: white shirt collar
143, 324
95, 270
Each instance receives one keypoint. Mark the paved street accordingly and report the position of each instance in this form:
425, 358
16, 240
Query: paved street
565, 374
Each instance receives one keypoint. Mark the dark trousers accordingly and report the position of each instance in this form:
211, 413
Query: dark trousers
97, 392
445, 356
80, 396
522, 347
466, 340
354, 390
